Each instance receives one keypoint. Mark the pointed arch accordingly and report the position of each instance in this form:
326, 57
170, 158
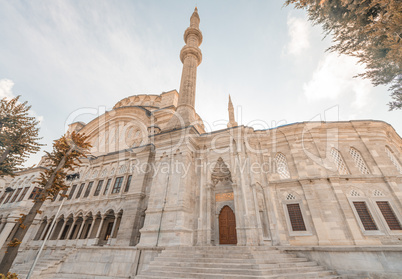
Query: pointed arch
393, 159
359, 162
339, 162
282, 167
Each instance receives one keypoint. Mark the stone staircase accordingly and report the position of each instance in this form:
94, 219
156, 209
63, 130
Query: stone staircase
231, 262
45, 267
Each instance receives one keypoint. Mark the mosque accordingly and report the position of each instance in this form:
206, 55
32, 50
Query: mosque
159, 197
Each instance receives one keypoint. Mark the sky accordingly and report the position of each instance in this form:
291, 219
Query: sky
72, 59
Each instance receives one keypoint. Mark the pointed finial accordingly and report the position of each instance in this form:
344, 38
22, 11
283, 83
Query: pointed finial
195, 19
232, 122
230, 102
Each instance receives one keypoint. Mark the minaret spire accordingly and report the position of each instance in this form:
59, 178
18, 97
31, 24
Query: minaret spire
232, 122
191, 57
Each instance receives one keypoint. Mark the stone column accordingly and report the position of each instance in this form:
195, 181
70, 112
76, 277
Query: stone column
6, 231
71, 230
257, 215
92, 227
42, 235
210, 188
99, 229
81, 227
62, 229
3, 223
112, 232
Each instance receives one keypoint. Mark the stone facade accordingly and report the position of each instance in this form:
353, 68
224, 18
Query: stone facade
156, 179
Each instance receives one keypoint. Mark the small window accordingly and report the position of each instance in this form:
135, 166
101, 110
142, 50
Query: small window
70, 196
98, 188
80, 190
88, 189
8, 197
35, 193
282, 166
62, 195
128, 183
365, 216
23, 194
393, 159
2, 197
359, 162
296, 217
389, 215
107, 186
339, 162
117, 185
16, 195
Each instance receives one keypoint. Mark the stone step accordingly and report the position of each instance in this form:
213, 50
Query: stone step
175, 274
277, 259
238, 271
233, 265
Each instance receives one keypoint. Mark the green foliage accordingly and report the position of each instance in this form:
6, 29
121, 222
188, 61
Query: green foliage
370, 30
18, 135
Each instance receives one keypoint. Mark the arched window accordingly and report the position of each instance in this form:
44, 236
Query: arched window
394, 160
338, 160
359, 162
282, 166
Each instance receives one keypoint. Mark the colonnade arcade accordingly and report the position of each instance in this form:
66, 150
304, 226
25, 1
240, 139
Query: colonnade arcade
93, 229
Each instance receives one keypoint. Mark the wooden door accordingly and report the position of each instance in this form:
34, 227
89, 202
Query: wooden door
227, 226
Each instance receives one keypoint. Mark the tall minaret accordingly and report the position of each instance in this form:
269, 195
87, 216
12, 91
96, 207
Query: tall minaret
191, 57
232, 122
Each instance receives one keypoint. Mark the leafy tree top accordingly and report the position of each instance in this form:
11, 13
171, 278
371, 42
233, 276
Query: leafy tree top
370, 30
18, 135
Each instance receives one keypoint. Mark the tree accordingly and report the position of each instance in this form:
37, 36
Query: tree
370, 30
18, 135
64, 157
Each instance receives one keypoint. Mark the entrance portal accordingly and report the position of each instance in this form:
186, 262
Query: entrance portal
227, 226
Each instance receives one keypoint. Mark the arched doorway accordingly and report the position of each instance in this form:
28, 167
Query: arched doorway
227, 226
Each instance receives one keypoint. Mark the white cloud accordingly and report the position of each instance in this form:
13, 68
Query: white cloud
6, 86
6, 90
298, 29
334, 78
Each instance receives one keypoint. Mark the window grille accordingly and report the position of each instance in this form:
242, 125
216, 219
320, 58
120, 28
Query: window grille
359, 162
354, 193
35, 193
393, 159
290, 197
282, 166
98, 188
16, 195
365, 216
62, 195
23, 194
8, 197
338, 160
2, 197
88, 189
107, 186
377, 193
72, 192
80, 190
128, 183
296, 217
389, 215
117, 185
